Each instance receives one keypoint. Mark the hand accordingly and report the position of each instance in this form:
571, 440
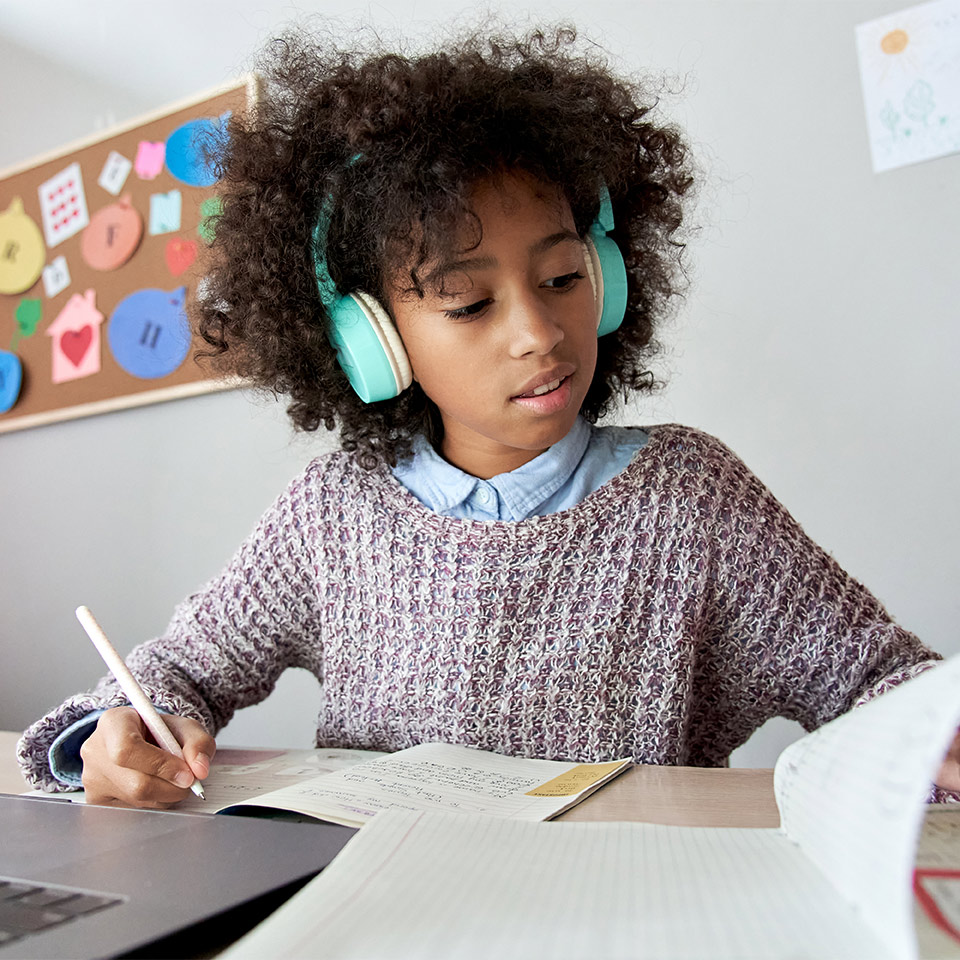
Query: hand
949, 775
123, 767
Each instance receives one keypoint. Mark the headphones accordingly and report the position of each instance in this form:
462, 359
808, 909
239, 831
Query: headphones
369, 349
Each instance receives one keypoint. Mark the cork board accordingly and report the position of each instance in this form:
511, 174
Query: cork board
98, 254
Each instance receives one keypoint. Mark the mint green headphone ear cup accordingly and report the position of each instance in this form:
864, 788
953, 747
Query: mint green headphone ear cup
614, 286
361, 352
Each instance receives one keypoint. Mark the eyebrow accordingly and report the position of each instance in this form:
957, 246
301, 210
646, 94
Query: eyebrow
541, 246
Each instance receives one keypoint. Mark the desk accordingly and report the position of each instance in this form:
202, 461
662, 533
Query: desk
680, 796
683, 796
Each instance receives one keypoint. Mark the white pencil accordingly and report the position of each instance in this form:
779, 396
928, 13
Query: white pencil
128, 684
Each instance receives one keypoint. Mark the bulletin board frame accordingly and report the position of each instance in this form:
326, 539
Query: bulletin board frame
159, 276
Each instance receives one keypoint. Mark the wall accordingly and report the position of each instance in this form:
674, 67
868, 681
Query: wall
818, 339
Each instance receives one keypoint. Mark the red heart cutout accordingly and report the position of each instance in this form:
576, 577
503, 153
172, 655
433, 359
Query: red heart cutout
180, 254
75, 343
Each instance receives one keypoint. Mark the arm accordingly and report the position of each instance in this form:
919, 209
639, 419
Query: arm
225, 645
786, 631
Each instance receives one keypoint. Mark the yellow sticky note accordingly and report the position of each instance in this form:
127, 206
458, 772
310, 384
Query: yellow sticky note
579, 778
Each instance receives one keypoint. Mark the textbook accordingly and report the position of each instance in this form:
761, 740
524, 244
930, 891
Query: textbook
841, 877
357, 785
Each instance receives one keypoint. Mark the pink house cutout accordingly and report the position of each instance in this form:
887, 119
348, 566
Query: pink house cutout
76, 338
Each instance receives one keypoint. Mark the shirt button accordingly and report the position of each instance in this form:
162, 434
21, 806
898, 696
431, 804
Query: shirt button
483, 494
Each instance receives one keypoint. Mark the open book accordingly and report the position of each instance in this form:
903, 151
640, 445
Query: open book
834, 881
352, 786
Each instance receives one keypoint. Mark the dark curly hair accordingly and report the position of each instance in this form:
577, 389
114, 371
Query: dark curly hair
391, 146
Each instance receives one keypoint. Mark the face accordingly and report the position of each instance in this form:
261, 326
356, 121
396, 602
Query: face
505, 340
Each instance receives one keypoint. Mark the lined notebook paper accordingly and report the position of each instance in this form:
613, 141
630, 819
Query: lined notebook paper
835, 881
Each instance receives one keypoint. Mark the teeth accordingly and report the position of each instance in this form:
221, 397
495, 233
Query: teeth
546, 388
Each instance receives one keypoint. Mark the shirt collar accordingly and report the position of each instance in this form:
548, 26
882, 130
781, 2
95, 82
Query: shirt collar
442, 487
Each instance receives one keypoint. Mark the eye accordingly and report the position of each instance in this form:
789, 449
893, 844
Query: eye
563, 282
465, 313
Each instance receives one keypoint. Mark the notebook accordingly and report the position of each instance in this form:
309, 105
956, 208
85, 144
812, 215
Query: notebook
123, 882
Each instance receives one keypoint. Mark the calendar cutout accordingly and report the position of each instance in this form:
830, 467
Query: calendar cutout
63, 205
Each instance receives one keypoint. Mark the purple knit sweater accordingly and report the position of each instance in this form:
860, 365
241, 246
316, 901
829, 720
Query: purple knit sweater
665, 617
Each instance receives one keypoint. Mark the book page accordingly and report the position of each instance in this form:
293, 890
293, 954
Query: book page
438, 776
238, 774
936, 883
851, 794
436, 885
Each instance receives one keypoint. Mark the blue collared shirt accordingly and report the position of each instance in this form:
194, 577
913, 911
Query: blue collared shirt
583, 461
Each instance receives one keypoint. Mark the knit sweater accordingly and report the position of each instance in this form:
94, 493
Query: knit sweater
665, 617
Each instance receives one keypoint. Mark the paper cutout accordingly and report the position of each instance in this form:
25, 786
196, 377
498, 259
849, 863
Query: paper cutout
148, 332
21, 249
11, 379
63, 205
115, 172
149, 161
910, 75
193, 147
179, 254
165, 212
75, 343
56, 276
75, 335
27, 317
210, 209
113, 235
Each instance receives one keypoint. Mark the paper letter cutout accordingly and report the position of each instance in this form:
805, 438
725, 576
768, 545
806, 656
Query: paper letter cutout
115, 172
11, 377
210, 209
63, 205
148, 332
28, 315
56, 276
149, 160
113, 235
165, 212
192, 150
75, 336
180, 254
21, 249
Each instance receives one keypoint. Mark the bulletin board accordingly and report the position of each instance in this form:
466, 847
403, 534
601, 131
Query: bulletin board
99, 248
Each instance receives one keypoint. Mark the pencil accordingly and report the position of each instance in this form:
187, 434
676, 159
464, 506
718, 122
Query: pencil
128, 684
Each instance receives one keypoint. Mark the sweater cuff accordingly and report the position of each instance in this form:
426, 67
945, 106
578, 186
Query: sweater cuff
64, 753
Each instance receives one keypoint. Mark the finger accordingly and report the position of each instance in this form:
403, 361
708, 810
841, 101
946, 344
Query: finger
122, 741
197, 745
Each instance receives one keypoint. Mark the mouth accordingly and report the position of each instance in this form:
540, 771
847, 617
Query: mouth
543, 389
549, 381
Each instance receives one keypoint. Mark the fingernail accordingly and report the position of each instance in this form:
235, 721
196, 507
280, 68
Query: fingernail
204, 761
184, 778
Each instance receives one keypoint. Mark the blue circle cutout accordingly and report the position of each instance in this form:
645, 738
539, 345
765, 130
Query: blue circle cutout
189, 147
11, 376
148, 332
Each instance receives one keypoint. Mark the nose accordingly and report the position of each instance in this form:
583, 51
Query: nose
533, 328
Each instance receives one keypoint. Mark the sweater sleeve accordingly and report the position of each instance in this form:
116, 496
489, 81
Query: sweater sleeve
226, 644
789, 633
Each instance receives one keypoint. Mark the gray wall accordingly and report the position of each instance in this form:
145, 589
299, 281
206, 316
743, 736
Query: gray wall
819, 338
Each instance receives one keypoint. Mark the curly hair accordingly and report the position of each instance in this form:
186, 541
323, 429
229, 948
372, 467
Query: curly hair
389, 147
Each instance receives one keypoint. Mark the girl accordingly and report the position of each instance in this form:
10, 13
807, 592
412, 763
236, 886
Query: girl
460, 259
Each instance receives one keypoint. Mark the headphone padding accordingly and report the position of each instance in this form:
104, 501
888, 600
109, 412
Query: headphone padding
389, 339
594, 274
613, 270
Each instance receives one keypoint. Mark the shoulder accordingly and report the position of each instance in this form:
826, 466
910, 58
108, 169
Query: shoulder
686, 451
328, 482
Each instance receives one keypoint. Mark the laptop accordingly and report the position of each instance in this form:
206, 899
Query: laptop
88, 882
